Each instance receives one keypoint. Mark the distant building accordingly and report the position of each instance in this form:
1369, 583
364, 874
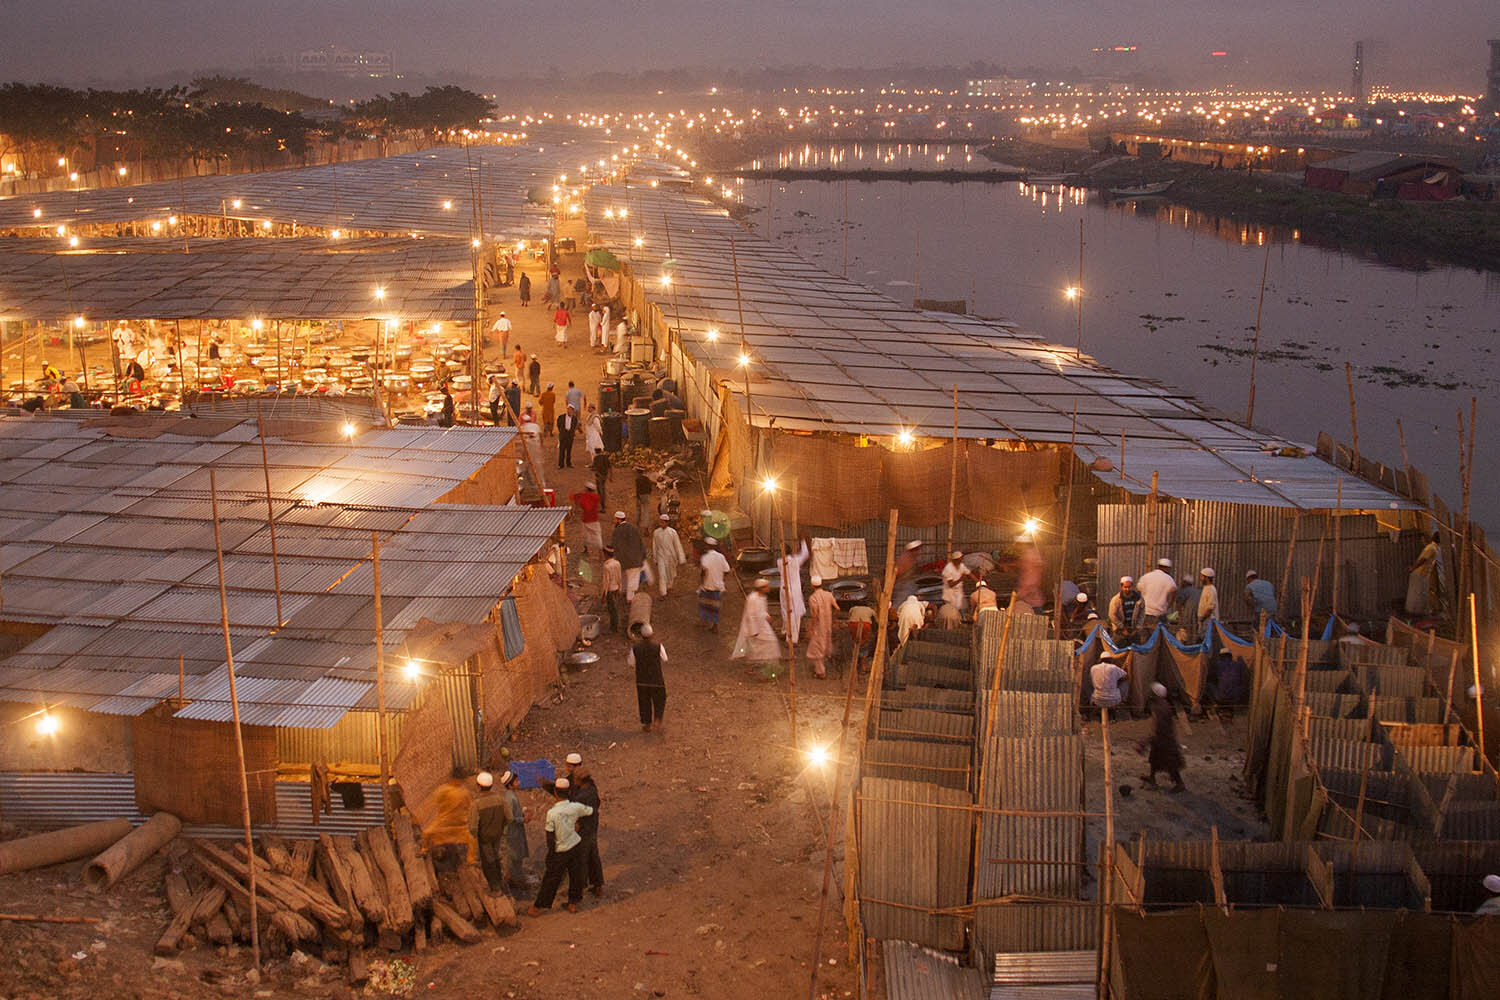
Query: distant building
334, 59
998, 86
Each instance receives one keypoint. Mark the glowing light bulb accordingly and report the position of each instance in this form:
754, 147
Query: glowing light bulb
47, 724
712, 334
768, 485
349, 429
412, 670
818, 756
906, 438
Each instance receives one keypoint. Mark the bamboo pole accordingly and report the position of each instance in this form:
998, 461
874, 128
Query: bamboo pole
784, 561
1303, 650
239, 738
846, 229
1453, 659
1291, 549
1478, 687
1255, 346
989, 730
1353, 415
872, 687
265, 465
953, 474
384, 749
916, 272
1062, 561
833, 814
180, 679
1106, 864
1465, 472
1405, 461
1151, 523
1338, 534
1078, 346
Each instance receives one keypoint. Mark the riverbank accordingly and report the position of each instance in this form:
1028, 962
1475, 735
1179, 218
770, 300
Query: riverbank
1404, 234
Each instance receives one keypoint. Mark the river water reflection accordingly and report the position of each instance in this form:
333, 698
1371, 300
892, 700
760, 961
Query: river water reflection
1171, 294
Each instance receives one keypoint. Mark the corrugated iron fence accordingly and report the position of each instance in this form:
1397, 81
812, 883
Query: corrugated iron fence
1233, 538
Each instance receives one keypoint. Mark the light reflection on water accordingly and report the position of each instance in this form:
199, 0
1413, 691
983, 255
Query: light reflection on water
1171, 293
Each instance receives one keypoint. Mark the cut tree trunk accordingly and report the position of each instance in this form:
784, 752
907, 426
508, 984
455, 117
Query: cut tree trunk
276, 853
417, 886
361, 882
302, 859
58, 846
455, 925
331, 865
399, 916
122, 857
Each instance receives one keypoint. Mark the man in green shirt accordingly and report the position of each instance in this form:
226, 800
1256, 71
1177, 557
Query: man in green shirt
563, 858
487, 824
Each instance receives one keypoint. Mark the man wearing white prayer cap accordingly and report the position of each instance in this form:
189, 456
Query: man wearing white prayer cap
954, 572
1491, 906
1157, 589
1165, 752
1126, 612
563, 857
487, 826
822, 609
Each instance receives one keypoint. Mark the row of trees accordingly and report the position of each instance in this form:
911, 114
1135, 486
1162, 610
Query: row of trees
212, 118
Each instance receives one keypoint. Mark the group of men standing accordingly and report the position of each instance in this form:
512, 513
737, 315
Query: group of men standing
497, 822
1158, 599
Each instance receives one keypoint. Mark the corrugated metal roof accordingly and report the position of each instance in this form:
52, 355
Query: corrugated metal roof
133, 583
916, 973
832, 355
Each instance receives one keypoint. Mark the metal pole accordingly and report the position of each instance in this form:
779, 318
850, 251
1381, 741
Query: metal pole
239, 739
385, 760
265, 466
1478, 687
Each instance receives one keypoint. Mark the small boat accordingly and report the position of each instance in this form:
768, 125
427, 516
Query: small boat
1049, 180
1141, 190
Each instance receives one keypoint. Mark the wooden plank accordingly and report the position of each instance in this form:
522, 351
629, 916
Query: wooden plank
303, 852
171, 938
331, 866
274, 848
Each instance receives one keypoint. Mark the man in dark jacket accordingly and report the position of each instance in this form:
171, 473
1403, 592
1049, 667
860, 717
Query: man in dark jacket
487, 824
1165, 753
567, 426
601, 467
512, 402
630, 550
647, 656
586, 792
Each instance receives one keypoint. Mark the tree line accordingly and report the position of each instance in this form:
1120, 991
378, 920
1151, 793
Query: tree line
210, 118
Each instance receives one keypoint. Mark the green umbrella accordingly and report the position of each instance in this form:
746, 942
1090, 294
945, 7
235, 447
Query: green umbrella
716, 524
602, 258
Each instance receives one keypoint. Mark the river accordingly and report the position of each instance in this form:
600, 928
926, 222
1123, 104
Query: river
1171, 294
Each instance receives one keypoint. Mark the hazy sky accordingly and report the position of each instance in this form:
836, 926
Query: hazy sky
74, 41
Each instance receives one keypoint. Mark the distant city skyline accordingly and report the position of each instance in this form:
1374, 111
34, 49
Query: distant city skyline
1437, 45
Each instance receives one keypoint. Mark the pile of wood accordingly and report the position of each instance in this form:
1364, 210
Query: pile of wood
334, 896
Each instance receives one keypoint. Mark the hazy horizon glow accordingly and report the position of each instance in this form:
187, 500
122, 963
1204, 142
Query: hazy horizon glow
1436, 45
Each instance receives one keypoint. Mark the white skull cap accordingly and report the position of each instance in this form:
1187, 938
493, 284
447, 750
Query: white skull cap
1492, 883
575, 759
485, 779
1159, 689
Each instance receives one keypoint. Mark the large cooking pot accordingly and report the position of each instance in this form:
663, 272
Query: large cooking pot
753, 559
849, 593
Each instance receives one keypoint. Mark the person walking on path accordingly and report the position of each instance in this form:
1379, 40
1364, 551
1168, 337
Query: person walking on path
821, 610
630, 549
574, 396
495, 400
593, 431
449, 414
512, 402
757, 642
534, 375
554, 288
523, 287
548, 403
1165, 753
595, 318
647, 656
600, 464
560, 321
610, 579
487, 826
518, 362
588, 502
563, 858
792, 605
644, 484
667, 553
501, 327
567, 427
711, 589
586, 792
